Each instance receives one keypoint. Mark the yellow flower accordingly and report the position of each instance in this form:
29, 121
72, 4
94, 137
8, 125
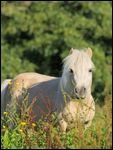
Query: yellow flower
5, 113
23, 123
10, 83
4, 127
33, 124
21, 130
16, 85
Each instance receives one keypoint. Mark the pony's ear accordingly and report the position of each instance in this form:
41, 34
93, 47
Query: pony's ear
71, 51
89, 52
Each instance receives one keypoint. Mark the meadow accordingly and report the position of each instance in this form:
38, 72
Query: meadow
45, 133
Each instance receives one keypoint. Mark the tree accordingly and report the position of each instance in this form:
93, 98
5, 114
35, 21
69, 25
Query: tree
36, 36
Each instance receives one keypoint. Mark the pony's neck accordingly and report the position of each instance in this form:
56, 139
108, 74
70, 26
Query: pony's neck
66, 86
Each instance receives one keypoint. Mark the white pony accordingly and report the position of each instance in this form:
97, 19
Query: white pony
69, 96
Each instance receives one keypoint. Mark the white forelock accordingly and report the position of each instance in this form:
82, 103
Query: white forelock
77, 56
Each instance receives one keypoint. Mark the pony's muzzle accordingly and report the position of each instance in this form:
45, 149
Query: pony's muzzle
80, 92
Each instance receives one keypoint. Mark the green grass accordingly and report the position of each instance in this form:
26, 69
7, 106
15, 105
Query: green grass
45, 133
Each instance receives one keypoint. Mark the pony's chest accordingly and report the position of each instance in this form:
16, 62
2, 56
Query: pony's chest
76, 111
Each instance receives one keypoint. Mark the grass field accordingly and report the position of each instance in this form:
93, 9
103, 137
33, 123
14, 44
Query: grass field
45, 133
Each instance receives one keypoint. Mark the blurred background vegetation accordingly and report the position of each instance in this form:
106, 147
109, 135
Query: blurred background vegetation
36, 36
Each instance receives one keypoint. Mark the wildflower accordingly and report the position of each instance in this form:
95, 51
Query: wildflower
46, 128
33, 124
9, 82
23, 123
21, 130
5, 113
4, 127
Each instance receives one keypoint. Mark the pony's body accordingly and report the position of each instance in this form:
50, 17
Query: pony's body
26, 80
59, 92
21, 81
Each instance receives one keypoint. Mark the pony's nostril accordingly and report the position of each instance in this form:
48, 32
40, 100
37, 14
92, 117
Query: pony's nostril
84, 89
76, 91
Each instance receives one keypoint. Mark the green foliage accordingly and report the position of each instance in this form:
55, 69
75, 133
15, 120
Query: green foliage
36, 36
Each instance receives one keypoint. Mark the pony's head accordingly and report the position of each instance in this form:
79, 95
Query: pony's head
77, 73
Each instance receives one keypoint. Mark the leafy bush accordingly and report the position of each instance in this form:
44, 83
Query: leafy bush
36, 36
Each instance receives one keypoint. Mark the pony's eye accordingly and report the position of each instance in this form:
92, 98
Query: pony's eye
90, 70
71, 71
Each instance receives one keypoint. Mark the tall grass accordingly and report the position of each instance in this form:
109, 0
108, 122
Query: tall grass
21, 131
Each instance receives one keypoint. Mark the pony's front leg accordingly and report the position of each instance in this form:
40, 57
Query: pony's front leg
63, 125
